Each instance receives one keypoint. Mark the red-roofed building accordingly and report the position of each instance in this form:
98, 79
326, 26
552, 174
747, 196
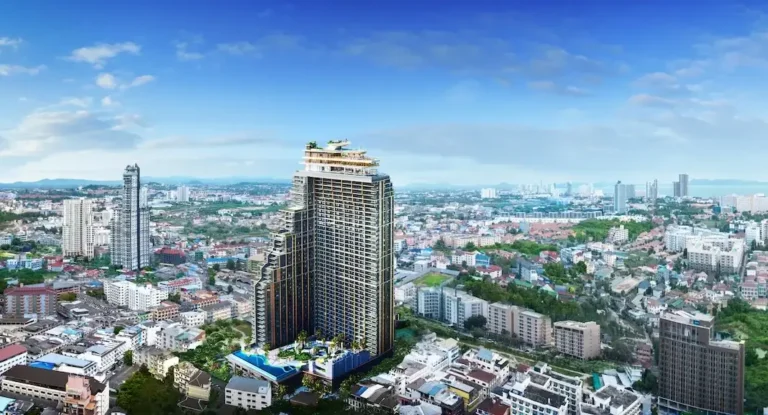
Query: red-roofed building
167, 255
494, 271
492, 407
11, 356
24, 301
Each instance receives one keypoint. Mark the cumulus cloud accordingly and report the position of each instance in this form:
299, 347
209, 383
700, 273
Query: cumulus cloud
44, 132
184, 54
83, 102
106, 81
8, 70
650, 101
109, 102
9, 42
552, 87
99, 54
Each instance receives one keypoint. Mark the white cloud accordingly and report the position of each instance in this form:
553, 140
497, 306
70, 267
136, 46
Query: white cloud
183, 54
99, 54
109, 102
141, 80
8, 70
84, 102
647, 100
10, 42
552, 87
106, 81
47, 131
238, 48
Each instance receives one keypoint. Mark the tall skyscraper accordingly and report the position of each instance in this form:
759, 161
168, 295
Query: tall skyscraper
630, 189
182, 194
77, 232
652, 191
697, 373
130, 245
683, 180
676, 189
620, 198
330, 267
569, 189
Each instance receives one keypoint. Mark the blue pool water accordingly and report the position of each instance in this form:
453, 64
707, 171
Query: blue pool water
260, 362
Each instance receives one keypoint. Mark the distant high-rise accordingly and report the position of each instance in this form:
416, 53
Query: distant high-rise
569, 189
676, 189
683, 180
77, 232
697, 373
630, 189
130, 245
620, 198
488, 193
330, 267
182, 194
652, 191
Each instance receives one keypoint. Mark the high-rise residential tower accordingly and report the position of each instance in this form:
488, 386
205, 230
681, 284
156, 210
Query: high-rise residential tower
330, 267
620, 198
182, 194
77, 232
652, 191
683, 180
130, 245
697, 373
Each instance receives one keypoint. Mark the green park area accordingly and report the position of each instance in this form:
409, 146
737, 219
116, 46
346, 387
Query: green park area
222, 338
597, 229
432, 279
743, 322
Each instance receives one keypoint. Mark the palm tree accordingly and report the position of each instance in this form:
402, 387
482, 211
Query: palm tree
280, 391
301, 338
355, 345
266, 348
319, 335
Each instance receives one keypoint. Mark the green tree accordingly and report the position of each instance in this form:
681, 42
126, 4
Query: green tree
118, 329
230, 289
68, 297
470, 246
216, 267
581, 267
230, 264
211, 280
128, 358
473, 322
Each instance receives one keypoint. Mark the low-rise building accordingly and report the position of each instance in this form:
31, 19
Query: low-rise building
26, 301
157, 361
371, 397
11, 356
167, 310
534, 328
193, 318
248, 393
610, 400
218, 311
55, 386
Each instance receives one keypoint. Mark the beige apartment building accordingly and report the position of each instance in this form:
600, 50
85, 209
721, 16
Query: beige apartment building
577, 339
534, 328
502, 318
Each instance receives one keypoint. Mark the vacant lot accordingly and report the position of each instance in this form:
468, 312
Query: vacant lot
432, 279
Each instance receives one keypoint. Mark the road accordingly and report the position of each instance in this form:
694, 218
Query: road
121, 375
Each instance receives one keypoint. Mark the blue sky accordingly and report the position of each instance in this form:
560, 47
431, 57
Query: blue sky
474, 92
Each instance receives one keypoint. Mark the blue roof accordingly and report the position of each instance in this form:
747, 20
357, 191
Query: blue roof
485, 354
362, 390
43, 365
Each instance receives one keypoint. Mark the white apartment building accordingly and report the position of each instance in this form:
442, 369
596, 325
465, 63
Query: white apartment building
105, 355
428, 302
101, 236
487, 361
747, 203
135, 297
248, 393
488, 193
716, 254
193, 318
157, 361
11, 356
618, 235
182, 194
458, 306
534, 328
676, 238
77, 237
753, 233
529, 398
174, 337
613, 400
460, 257
577, 339
503, 318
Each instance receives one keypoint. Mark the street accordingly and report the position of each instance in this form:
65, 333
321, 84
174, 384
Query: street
121, 375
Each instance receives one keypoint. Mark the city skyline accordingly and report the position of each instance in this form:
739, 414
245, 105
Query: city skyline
457, 95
